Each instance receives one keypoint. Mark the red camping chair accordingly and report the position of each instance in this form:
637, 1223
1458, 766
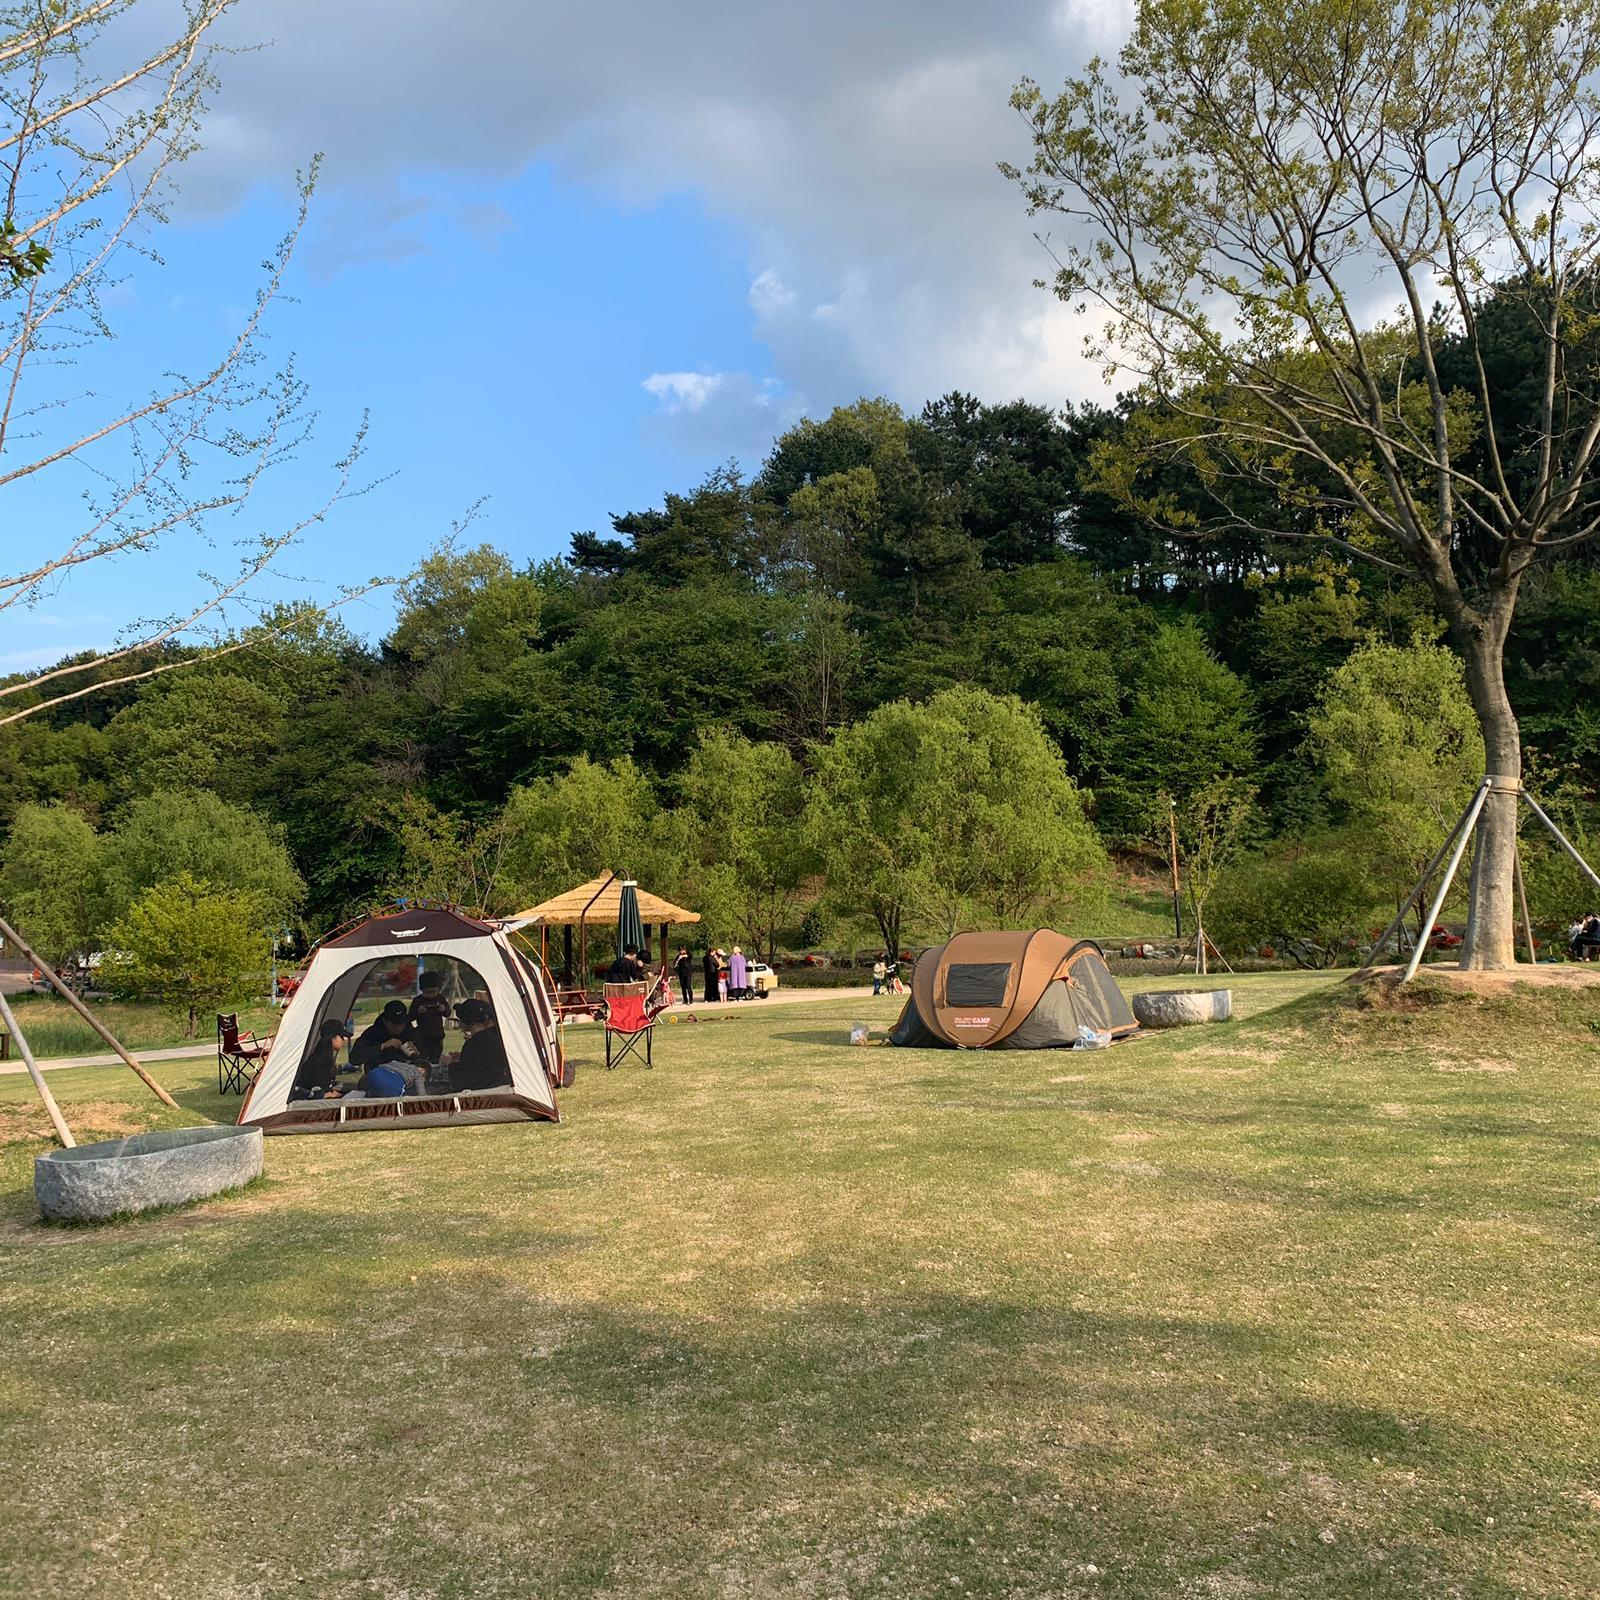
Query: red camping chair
628, 1020
239, 1055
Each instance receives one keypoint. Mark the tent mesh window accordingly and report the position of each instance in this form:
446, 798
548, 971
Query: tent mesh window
976, 983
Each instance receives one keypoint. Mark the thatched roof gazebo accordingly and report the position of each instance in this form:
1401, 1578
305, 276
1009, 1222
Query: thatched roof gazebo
598, 901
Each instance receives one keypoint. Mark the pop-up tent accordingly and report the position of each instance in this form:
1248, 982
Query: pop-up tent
1011, 991
331, 985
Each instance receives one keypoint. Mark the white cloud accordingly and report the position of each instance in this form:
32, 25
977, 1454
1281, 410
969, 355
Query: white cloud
682, 391
854, 146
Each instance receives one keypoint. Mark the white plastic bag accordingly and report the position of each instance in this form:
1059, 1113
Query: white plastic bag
1089, 1039
859, 1033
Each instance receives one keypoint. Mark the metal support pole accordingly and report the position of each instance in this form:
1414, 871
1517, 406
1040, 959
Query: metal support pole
1561, 839
63, 1132
1522, 900
1467, 826
1418, 887
8, 932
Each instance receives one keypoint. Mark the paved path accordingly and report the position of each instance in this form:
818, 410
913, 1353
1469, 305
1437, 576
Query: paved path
207, 1047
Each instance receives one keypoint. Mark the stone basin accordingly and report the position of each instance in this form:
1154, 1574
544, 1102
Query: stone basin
164, 1168
1178, 1008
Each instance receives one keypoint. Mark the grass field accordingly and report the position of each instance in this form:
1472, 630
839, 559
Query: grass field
1303, 1305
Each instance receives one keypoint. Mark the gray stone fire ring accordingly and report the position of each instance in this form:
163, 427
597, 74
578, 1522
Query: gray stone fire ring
165, 1168
1177, 1008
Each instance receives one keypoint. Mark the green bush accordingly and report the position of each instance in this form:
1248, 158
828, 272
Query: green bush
1312, 903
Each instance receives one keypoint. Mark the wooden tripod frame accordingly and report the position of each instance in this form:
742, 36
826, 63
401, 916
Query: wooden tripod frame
63, 1132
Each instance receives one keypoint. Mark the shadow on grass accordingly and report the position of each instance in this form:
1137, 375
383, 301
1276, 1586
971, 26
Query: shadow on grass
864, 1439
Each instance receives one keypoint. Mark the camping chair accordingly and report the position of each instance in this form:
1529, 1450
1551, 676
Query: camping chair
628, 1019
239, 1055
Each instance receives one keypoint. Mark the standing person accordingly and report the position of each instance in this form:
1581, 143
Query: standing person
722, 976
685, 969
879, 973
430, 1015
738, 974
708, 971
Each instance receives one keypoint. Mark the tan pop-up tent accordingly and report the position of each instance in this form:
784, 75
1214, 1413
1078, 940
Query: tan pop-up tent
1011, 991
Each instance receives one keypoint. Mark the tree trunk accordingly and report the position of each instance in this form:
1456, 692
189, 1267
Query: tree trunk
1491, 938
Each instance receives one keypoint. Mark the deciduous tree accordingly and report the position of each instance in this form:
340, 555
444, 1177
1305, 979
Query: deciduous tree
189, 945
1281, 225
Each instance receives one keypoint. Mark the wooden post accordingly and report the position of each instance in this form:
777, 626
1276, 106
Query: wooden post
566, 952
7, 931
1172, 842
63, 1132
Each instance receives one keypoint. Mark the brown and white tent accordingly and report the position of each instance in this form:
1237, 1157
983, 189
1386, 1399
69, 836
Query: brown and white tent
1011, 991
332, 983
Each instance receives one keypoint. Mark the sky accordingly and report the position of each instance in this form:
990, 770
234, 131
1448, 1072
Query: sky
567, 258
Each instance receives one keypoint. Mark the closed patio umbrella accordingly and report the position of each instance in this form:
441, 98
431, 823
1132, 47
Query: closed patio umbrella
630, 925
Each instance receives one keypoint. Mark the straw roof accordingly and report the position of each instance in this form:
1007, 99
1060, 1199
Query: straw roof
567, 908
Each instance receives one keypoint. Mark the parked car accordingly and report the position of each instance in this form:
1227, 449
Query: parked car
763, 980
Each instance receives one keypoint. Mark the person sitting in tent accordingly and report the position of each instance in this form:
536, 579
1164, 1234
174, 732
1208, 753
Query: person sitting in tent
481, 1062
627, 968
392, 1026
315, 1079
398, 1070
430, 1016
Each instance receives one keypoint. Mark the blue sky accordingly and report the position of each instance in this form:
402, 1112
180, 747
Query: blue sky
569, 262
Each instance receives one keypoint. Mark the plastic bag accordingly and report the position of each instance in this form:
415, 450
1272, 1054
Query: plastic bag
1089, 1039
859, 1033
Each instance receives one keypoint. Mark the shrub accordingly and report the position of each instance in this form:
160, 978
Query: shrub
1312, 902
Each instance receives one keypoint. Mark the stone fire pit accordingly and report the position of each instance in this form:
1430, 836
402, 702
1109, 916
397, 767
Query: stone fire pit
1178, 1008
165, 1168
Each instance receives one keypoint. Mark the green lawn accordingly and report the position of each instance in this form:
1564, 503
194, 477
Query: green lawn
1299, 1306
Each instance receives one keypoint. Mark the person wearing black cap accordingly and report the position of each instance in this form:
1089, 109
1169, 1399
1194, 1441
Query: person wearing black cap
315, 1078
481, 1062
627, 968
393, 1026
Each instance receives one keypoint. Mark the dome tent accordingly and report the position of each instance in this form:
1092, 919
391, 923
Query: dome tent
1011, 991
332, 982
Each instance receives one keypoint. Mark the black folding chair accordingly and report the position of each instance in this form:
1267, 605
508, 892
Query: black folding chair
239, 1055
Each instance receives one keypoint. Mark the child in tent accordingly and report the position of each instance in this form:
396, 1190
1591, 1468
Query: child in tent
430, 1016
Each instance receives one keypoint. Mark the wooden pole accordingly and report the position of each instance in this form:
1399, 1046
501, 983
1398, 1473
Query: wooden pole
63, 1132
8, 932
1522, 900
1468, 823
1172, 853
